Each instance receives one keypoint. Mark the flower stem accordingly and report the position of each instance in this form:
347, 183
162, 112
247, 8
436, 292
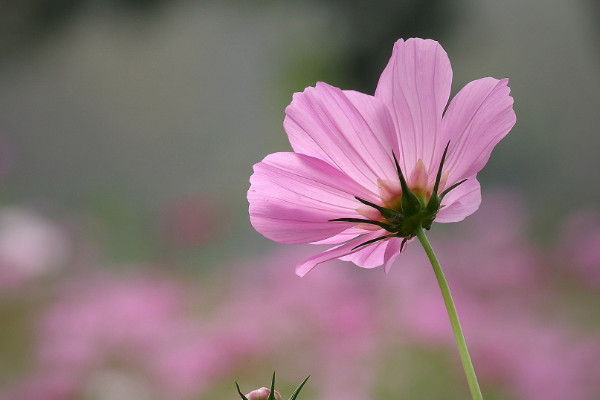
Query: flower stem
456, 329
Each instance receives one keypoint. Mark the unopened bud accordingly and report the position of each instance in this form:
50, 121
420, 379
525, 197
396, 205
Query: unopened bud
262, 394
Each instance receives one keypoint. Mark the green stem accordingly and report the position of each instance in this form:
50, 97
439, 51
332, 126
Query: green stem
458, 335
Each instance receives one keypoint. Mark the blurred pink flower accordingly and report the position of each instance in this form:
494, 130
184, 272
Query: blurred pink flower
344, 143
94, 313
513, 342
30, 246
535, 359
133, 331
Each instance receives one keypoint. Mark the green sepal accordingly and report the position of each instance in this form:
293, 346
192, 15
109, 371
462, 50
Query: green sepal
438, 177
240, 392
445, 192
380, 224
298, 389
410, 202
387, 213
272, 393
435, 201
373, 241
433, 206
403, 244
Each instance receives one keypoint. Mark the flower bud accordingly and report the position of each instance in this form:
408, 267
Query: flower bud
262, 394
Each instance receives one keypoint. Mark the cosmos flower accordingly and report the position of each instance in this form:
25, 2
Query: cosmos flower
367, 171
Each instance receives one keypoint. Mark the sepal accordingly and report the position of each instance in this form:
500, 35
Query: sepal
410, 202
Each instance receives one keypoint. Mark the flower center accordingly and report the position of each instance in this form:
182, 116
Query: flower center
405, 209
419, 183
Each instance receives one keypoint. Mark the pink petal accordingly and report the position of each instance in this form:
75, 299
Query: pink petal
460, 202
376, 254
342, 237
292, 198
415, 86
335, 252
391, 253
351, 131
478, 117
369, 256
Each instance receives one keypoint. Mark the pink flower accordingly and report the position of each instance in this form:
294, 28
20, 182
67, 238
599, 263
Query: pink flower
31, 246
131, 331
345, 180
262, 394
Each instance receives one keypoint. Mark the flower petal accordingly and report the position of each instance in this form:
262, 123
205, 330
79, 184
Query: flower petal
478, 117
391, 253
376, 254
460, 202
415, 86
342, 237
350, 130
335, 252
369, 256
292, 198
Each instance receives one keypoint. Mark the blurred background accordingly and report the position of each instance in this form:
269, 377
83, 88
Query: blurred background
129, 268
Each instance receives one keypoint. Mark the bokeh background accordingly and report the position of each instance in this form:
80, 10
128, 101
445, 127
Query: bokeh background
129, 268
